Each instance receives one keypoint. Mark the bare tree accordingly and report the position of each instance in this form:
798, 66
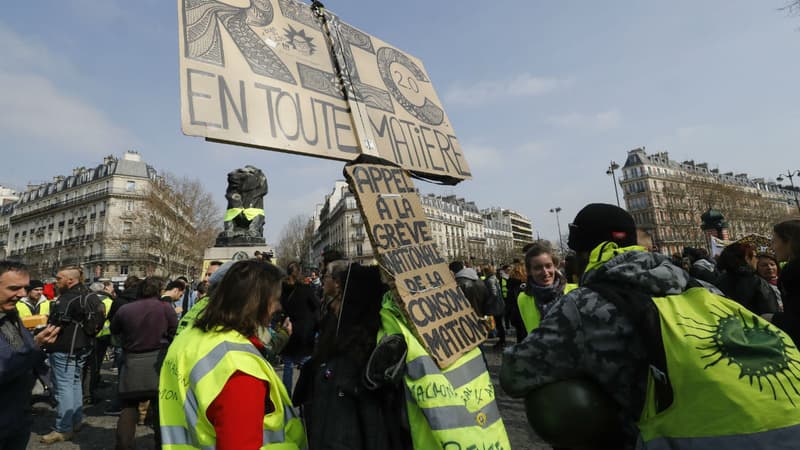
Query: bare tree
296, 238
680, 204
792, 8
179, 220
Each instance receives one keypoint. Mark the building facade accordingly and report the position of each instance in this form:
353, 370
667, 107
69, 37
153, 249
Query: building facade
89, 219
667, 199
339, 227
460, 230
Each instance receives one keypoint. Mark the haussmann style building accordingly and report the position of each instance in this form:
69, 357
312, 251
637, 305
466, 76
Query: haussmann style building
669, 199
90, 218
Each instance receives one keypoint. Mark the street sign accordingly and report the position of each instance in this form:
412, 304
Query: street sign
279, 75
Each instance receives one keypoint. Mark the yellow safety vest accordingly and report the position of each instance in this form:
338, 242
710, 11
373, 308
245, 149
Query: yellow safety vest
106, 331
453, 408
735, 379
249, 213
23, 309
196, 369
528, 310
191, 316
44, 308
504, 287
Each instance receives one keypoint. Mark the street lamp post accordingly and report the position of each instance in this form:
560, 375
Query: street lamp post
790, 174
557, 210
612, 168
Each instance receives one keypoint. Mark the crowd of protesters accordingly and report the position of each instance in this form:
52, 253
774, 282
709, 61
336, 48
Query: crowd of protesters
198, 359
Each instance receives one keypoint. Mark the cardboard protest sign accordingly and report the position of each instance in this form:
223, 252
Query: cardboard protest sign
440, 314
276, 74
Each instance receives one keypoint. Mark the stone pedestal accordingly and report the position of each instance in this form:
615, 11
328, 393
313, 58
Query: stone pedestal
226, 254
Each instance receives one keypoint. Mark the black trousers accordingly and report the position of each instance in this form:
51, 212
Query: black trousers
129, 418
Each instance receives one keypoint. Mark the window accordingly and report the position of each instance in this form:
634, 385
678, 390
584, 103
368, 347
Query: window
124, 248
129, 205
127, 227
130, 186
123, 270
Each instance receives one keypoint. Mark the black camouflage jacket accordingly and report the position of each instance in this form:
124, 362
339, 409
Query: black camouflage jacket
584, 336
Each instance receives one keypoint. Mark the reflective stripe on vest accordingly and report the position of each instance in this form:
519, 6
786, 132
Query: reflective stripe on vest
448, 408
197, 366
528, 311
177, 435
735, 378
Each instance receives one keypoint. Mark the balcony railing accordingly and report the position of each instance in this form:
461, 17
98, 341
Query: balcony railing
73, 201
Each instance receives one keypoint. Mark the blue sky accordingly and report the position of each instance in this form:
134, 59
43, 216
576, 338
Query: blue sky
542, 94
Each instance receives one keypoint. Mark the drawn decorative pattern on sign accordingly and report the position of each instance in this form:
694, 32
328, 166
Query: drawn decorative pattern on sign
299, 12
347, 36
428, 112
203, 36
318, 81
437, 311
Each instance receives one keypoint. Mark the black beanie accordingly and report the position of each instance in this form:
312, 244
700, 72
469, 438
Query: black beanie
600, 222
35, 284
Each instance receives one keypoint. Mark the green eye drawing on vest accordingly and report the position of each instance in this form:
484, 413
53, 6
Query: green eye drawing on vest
762, 354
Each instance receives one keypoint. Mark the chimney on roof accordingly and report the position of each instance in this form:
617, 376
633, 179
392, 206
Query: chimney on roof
132, 155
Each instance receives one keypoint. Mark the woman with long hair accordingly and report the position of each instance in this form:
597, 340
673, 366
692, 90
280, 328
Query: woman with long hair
544, 285
217, 388
339, 409
739, 281
786, 244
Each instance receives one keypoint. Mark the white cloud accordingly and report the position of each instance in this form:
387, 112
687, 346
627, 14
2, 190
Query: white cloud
21, 55
36, 109
482, 92
602, 121
484, 158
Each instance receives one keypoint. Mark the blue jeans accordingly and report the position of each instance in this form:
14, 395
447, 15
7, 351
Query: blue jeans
289, 362
66, 374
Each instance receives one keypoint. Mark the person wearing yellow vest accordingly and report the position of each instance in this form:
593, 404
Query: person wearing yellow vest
682, 367
216, 270
91, 375
545, 285
33, 303
216, 388
451, 408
